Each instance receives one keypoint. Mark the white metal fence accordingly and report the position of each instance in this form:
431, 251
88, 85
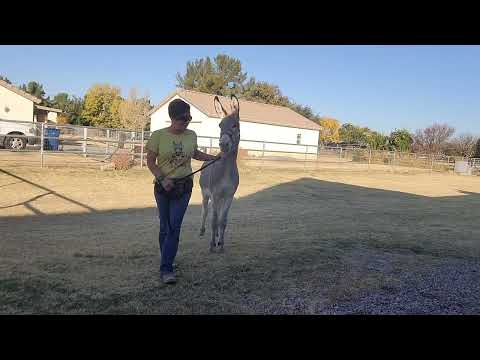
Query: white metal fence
475, 163
79, 145
99, 144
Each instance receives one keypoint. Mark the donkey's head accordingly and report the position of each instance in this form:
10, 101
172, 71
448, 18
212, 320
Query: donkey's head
230, 124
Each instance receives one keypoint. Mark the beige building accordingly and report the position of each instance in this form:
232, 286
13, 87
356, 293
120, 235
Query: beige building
17, 105
19, 111
263, 126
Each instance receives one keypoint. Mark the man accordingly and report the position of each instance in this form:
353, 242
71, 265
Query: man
169, 154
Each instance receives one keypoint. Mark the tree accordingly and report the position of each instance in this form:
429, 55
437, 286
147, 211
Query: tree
133, 111
47, 102
4, 78
223, 76
376, 141
304, 110
330, 132
101, 106
74, 109
63, 119
61, 101
463, 145
432, 139
353, 134
264, 92
34, 88
477, 149
401, 140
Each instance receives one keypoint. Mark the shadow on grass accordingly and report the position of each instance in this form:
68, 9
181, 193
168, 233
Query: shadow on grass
291, 248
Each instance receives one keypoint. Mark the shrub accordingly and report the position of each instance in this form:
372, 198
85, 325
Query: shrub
122, 160
359, 157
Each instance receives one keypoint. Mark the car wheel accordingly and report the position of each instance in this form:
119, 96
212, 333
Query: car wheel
15, 143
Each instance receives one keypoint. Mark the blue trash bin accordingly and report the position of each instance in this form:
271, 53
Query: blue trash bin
53, 142
46, 144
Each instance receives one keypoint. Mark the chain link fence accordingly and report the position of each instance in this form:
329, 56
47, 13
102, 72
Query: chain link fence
75, 146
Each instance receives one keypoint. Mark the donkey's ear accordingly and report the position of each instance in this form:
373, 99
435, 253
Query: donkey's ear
234, 103
220, 110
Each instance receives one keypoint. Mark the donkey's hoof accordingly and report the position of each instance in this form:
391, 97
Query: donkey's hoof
202, 232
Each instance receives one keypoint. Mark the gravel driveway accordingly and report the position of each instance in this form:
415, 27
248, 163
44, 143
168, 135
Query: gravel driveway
452, 287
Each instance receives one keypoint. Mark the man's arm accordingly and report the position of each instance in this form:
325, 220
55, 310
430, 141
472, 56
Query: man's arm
155, 170
201, 156
152, 164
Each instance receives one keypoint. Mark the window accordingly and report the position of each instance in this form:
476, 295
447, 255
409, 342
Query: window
299, 139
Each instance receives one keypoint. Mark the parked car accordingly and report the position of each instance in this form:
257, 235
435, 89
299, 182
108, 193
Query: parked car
15, 135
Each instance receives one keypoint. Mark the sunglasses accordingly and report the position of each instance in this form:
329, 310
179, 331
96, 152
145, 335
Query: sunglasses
185, 118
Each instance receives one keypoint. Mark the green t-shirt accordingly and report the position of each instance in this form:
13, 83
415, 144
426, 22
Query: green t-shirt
173, 150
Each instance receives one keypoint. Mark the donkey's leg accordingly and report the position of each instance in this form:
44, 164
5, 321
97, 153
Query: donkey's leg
214, 226
204, 212
222, 220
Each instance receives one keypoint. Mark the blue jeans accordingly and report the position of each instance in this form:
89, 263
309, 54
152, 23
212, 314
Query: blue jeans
171, 212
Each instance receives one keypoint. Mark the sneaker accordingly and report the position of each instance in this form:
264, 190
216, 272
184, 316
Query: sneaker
169, 278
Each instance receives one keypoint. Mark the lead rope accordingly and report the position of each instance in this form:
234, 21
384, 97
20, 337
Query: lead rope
183, 163
203, 167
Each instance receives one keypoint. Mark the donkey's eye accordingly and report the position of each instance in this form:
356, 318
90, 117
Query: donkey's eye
234, 126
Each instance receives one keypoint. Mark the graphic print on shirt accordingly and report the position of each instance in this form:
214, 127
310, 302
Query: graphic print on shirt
178, 154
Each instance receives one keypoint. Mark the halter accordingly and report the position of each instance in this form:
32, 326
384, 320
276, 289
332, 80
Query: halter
230, 134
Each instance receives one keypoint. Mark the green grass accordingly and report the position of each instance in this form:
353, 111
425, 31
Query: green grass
313, 240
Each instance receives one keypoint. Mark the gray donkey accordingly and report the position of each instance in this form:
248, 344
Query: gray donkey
219, 182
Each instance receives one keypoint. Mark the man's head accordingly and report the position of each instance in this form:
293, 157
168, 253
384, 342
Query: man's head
179, 112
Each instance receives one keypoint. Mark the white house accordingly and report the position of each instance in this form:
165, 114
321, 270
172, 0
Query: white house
16, 104
262, 126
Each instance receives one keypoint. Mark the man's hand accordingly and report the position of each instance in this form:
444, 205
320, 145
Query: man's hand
167, 184
201, 156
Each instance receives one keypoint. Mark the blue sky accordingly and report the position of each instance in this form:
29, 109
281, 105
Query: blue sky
382, 87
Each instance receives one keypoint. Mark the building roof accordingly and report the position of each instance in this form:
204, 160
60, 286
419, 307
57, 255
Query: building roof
48, 109
20, 92
249, 111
